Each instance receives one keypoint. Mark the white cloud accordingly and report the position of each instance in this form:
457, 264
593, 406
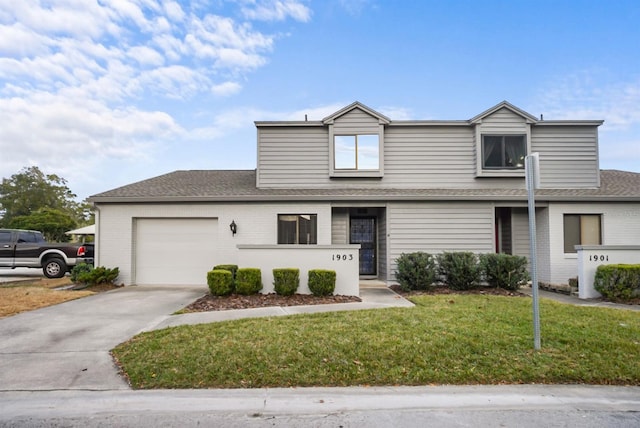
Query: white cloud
126, 11
591, 95
276, 10
397, 113
174, 11
215, 37
66, 42
174, 81
59, 134
226, 88
84, 82
74, 18
595, 95
146, 56
355, 7
19, 41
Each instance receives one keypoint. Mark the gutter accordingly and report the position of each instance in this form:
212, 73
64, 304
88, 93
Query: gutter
395, 198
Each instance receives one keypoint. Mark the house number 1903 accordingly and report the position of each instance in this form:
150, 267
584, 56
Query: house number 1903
598, 258
341, 257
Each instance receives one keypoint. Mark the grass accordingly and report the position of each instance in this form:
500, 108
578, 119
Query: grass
22, 297
452, 339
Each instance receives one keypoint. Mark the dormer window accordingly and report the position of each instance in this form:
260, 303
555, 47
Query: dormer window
503, 151
357, 152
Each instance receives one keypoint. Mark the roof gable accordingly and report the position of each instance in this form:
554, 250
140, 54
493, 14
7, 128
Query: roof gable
504, 104
382, 119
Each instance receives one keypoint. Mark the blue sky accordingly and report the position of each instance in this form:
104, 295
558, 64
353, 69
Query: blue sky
109, 92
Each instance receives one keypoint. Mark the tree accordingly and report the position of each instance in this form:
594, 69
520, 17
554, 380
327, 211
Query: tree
51, 222
31, 190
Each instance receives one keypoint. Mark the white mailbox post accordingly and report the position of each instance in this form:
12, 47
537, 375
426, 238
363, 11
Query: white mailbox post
592, 256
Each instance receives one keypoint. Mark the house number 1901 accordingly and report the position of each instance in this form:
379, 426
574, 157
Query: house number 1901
341, 257
598, 258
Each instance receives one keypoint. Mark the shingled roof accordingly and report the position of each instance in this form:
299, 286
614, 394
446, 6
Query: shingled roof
240, 185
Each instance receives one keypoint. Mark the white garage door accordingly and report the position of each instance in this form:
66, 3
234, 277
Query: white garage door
174, 251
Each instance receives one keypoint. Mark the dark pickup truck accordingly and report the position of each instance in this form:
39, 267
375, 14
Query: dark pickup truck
27, 248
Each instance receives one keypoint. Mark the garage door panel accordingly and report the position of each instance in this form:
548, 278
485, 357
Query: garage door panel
175, 251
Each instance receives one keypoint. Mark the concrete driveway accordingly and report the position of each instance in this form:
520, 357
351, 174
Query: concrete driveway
67, 346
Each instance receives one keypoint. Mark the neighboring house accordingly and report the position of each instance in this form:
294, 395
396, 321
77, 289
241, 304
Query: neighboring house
359, 177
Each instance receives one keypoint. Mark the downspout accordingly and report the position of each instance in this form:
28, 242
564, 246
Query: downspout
96, 258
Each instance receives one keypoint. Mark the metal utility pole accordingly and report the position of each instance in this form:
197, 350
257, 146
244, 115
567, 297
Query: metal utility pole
532, 181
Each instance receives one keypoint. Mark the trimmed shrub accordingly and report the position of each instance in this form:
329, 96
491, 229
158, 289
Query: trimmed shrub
322, 282
504, 270
231, 268
618, 282
286, 281
460, 270
248, 281
220, 282
87, 274
79, 270
415, 271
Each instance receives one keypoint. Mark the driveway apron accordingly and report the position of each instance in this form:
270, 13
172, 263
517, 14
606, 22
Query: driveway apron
67, 346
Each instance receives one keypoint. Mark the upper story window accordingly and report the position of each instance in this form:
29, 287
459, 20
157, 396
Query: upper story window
297, 229
503, 151
356, 152
581, 229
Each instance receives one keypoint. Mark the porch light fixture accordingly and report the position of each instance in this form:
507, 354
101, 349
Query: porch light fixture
234, 227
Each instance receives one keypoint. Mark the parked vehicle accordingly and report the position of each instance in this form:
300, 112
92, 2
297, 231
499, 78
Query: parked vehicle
28, 248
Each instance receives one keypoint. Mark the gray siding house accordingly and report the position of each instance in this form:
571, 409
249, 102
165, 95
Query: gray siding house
388, 187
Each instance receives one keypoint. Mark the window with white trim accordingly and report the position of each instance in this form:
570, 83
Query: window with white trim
503, 151
581, 229
356, 152
298, 229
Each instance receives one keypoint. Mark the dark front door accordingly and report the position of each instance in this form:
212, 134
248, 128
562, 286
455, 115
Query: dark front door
363, 232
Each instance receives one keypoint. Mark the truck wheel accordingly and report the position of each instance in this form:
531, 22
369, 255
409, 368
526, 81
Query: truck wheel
54, 268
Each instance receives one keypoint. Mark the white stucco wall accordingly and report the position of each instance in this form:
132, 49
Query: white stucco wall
257, 224
620, 226
592, 256
343, 259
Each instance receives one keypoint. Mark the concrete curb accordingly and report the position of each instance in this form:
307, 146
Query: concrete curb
307, 401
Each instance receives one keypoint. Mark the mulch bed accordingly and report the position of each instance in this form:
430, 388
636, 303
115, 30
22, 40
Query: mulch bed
237, 301
445, 290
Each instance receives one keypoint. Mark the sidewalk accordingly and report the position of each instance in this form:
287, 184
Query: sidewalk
374, 295
574, 300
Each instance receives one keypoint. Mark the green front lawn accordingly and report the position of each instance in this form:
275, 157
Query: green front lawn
445, 339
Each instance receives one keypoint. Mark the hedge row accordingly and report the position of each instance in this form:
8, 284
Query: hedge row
619, 282
226, 279
460, 270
